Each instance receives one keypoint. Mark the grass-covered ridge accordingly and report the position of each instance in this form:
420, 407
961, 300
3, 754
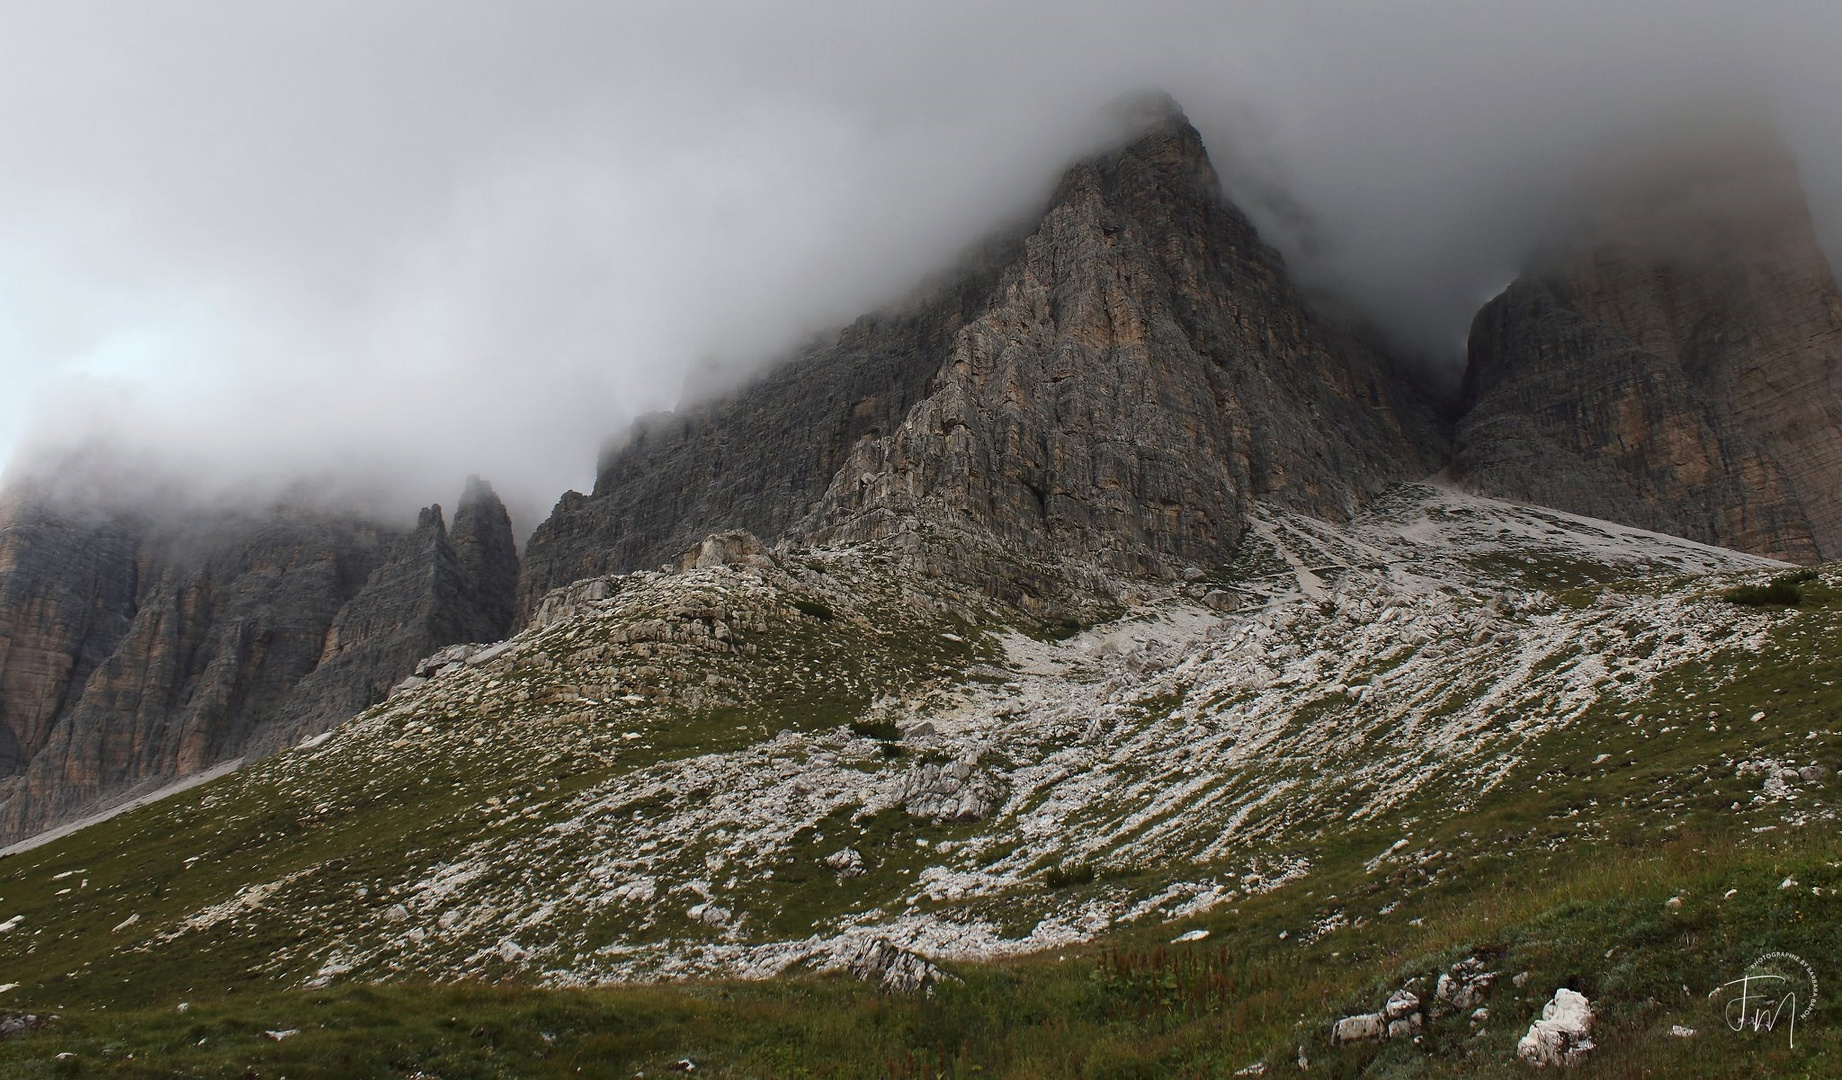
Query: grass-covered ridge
1392, 754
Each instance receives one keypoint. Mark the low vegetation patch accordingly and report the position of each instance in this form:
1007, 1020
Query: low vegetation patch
821, 612
1073, 873
1779, 592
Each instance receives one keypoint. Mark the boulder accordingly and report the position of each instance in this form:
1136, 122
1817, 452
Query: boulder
848, 862
1363, 1027
895, 970
1563, 1035
1399, 1018
736, 547
1401, 1004
1464, 985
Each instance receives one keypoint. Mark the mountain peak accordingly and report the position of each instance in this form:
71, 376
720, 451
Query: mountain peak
1119, 384
1692, 331
1147, 111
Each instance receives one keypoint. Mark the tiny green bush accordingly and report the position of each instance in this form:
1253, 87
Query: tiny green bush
882, 730
815, 609
1060, 877
1780, 592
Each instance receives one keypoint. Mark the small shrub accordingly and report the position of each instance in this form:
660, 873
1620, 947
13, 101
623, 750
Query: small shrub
1060, 877
882, 730
815, 609
1778, 592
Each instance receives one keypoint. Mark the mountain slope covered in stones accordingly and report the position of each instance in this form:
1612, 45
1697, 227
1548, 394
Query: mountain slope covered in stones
140, 643
1121, 383
1070, 673
782, 763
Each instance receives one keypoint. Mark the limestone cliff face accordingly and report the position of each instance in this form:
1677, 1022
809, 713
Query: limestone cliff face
759, 460
1680, 368
68, 584
137, 647
1142, 371
488, 557
436, 588
1118, 384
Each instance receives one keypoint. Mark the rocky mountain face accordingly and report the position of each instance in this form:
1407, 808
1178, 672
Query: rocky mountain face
138, 646
1679, 367
1119, 383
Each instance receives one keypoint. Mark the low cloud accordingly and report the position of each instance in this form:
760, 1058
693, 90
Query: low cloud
397, 242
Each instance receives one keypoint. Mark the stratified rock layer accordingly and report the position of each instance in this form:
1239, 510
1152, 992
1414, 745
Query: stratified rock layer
1680, 369
1119, 384
138, 646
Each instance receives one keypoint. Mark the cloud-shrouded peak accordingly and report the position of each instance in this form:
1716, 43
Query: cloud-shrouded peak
381, 246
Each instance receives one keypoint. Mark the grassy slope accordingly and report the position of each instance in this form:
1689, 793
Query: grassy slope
1521, 879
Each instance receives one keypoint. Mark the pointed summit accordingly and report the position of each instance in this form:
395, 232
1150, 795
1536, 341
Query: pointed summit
488, 556
1117, 384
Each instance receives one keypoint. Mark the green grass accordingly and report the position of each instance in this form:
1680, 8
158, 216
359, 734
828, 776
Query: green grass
1778, 593
1135, 1006
1785, 590
1563, 870
817, 609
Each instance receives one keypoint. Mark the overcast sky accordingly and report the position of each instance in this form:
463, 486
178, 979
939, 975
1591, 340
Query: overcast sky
403, 241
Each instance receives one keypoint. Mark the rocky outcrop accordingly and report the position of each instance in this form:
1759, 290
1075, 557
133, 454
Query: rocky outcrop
68, 583
141, 645
1679, 367
955, 791
1118, 384
438, 588
487, 554
1400, 1018
1563, 1035
894, 970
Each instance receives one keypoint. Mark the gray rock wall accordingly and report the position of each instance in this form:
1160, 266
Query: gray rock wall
1118, 382
1678, 367
138, 647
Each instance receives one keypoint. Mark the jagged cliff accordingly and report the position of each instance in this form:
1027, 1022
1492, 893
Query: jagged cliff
1679, 367
137, 645
1118, 383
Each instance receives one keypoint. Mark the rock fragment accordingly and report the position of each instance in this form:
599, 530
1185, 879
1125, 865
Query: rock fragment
955, 791
895, 970
848, 862
1464, 986
1563, 1035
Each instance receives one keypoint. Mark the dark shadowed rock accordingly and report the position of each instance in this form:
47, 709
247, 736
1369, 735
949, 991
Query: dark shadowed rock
437, 588
1680, 368
1118, 384
68, 582
488, 557
759, 461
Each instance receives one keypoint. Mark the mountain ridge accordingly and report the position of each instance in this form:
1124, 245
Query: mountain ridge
139, 645
1138, 340
1105, 693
